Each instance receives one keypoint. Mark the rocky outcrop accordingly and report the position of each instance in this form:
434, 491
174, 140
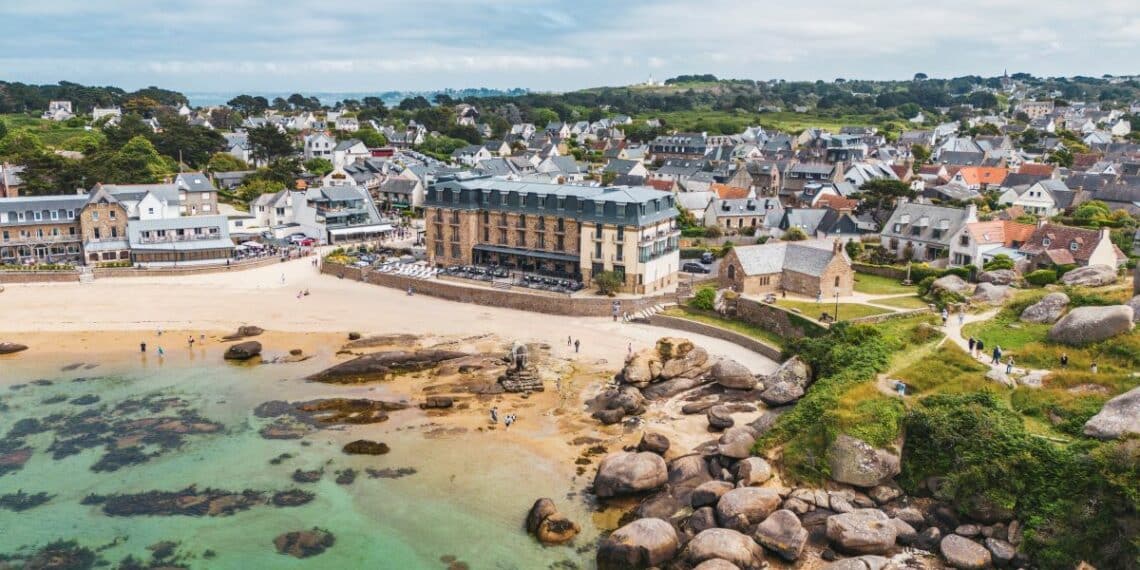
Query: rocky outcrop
719, 418
643, 543
243, 350
437, 403
725, 544
963, 553
382, 365
787, 384
734, 375
991, 294
1135, 304
670, 359
1119, 418
1091, 276
624, 473
1000, 277
951, 284
743, 507
736, 443
709, 492
653, 442
11, 347
855, 462
1047, 310
244, 331
753, 471
548, 525
366, 447
783, 534
1086, 325
867, 562
304, 543
864, 531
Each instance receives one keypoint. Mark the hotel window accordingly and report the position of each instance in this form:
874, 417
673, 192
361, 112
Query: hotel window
541, 223
560, 243
597, 250
97, 234
561, 202
541, 243
455, 251
486, 217
502, 237
38, 216
54, 214
520, 237
561, 224
55, 232
71, 231
114, 232
19, 216
40, 232
503, 219
486, 234
439, 249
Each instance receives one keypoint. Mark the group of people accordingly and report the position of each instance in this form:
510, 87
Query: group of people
946, 317
190, 340
570, 341
507, 419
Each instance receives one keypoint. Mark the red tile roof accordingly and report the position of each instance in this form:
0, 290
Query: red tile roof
661, 184
983, 175
1036, 169
726, 192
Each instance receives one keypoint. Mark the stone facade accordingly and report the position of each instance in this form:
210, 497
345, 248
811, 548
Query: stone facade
837, 277
48, 241
197, 203
104, 222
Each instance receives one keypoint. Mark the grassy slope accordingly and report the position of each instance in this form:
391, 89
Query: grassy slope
50, 132
847, 311
730, 324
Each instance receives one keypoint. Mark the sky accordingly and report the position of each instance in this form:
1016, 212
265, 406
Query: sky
550, 45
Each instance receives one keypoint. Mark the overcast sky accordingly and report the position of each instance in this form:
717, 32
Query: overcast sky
379, 45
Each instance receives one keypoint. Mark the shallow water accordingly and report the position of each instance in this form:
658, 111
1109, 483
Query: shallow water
468, 498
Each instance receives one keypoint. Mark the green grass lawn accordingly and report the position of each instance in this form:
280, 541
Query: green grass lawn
847, 311
875, 285
909, 302
947, 369
746, 329
50, 132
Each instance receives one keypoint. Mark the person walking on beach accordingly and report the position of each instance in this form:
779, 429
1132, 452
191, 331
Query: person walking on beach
569, 341
1064, 360
190, 341
961, 317
576, 344
629, 349
971, 345
142, 347
1009, 365
161, 352
282, 278
495, 415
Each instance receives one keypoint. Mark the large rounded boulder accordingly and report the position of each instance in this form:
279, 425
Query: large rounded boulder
243, 350
991, 294
855, 462
734, 375
1091, 276
951, 284
964, 554
642, 368
743, 507
11, 347
1000, 277
1086, 325
787, 383
736, 443
1135, 304
1119, 418
783, 534
643, 543
624, 473
725, 544
1047, 310
863, 531
689, 364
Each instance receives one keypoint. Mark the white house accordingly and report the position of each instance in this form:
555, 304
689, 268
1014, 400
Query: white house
347, 124
99, 112
1120, 128
346, 152
319, 145
1044, 198
977, 243
58, 111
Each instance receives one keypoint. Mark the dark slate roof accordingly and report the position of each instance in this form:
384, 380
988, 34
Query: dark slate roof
395, 185
960, 158
194, 182
783, 256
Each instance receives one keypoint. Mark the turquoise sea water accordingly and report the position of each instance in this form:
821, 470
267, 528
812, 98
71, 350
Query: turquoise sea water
467, 500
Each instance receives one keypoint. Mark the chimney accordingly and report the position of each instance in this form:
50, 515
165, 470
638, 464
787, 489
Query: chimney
1105, 235
972, 212
837, 247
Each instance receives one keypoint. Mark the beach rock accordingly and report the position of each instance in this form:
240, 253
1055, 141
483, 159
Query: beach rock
304, 543
736, 442
963, 553
697, 407
366, 447
653, 442
381, 365
927, 539
541, 509
1086, 325
1001, 551
743, 507
968, 530
643, 543
753, 471
719, 418
1047, 310
624, 473
867, 562
691, 364
243, 350
716, 564
883, 494
783, 534
629, 400
688, 470
725, 544
865, 531
855, 462
709, 492
1000, 277
904, 533
245, 331
670, 388
1014, 533
557, 529
1091, 276
797, 506
437, 403
701, 520
910, 515
638, 370
1119, 418
11, 347
1135, 304
609, 417
734, 375
787, 383
662, 505
991, 294
951, 284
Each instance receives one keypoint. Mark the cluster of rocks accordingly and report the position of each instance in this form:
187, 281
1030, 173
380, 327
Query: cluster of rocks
385, 364
193, 502
304, 543
1090, 276
548, 525
1082, 325
994, 287
7, 347
521, 381
725, 509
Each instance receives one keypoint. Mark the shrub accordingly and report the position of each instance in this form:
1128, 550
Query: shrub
692, 252
749, 231
795, 234
704, 299
854, 249
694, 231
713, 232
1042, 277
1000, 261
608, 282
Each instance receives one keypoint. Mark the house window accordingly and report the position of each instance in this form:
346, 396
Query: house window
111, 214
541, 243
54, 215
94, 216
97, 235
114, 232
38, 216
559, 243
486, 234
1045, 242
71, 214
1074, 246
764, 279
150, 210
964, 241
205, 195
455, 250
836, 281
439, 249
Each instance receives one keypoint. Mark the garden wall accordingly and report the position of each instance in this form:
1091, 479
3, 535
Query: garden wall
39, 276
101, 272
776, 320
736, 338
880, 270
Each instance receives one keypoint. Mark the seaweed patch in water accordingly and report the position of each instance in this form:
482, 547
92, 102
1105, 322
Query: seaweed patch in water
86, 400
21, 501
64, 555
389, 473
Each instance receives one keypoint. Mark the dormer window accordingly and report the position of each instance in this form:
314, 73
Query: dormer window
1074, 246
1046, 241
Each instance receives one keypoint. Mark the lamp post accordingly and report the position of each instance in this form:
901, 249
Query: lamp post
836, 306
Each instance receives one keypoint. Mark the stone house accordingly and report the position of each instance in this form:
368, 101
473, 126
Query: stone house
1054, 244
799, 268
926, 231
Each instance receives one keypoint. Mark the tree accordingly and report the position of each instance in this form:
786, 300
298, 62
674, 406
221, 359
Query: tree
3, 129
921, 76
608, 282
880, 196
181, 141
854, 249
251, 189
86, 142
704, 299
319, 166
268, 143
542, 117
140, 105
225, 162
1061, 157
20, 145
371, 138
284, 171
248, 105
138, 162
414, 103
921, 154
795, 233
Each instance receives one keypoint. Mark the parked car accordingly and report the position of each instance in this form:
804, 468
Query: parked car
707, 258
296, 238
307, 242
695, 268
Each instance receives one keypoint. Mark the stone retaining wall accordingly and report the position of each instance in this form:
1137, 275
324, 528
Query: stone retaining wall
736, 338
509, 299
776, 320
880, 270
874, 319
39, 276
101, 272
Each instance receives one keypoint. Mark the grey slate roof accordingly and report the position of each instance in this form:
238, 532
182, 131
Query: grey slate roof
772, 258
30, 204
934, 216
394, 185
194, 182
